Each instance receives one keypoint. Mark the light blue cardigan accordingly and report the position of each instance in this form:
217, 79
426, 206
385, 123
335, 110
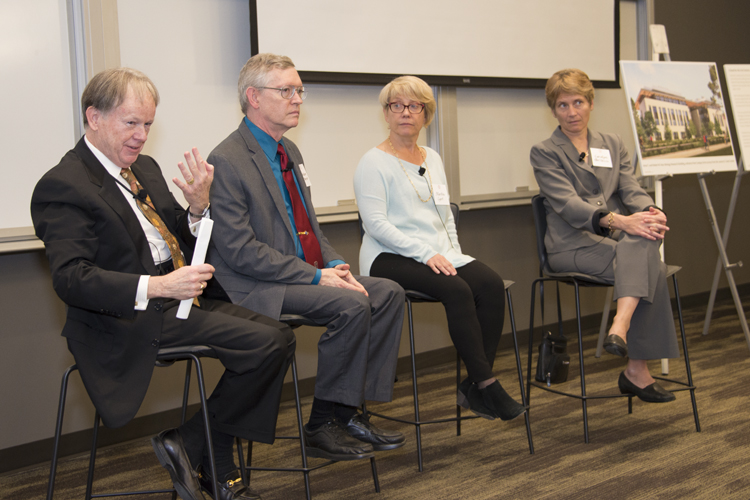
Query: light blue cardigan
395, 219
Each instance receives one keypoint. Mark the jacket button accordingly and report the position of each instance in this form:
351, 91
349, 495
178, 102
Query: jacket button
599, 203
155, 343
157, 306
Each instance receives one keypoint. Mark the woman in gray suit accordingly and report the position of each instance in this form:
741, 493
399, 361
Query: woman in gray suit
602, 223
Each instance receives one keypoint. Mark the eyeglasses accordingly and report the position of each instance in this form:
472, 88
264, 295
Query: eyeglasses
288, 92
414, 108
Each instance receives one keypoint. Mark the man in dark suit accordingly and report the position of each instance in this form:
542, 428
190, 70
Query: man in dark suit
270, 255
121, 271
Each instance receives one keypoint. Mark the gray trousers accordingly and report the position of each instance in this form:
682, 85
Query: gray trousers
633, 265
357, 354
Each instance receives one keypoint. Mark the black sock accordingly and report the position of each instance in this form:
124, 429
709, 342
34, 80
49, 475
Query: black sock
344, 412
223, 454
194, 438
321, 412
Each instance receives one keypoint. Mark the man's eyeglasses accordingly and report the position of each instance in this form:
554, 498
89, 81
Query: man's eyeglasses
288, 92
414, 108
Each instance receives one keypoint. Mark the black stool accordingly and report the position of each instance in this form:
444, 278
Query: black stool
165, 357
295, 321
578, 280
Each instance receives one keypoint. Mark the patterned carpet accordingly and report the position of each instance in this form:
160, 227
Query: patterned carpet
654, 452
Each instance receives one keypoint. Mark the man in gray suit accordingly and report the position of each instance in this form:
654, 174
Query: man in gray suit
271, 256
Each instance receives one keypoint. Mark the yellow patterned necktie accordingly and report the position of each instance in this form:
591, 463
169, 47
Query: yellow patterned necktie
147, 209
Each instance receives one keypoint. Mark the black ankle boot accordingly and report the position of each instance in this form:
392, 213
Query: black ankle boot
500, 403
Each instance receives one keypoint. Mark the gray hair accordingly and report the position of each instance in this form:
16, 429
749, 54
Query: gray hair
255, 73
108, 89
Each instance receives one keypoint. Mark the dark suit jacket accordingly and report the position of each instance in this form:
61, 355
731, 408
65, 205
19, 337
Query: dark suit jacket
97, 251
252, 245
577, 195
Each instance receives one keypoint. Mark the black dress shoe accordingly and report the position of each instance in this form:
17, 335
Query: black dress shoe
653, 393
500, 403
170, 451
475, 403
231, 488
462, 393
332, 442
614, 344
360, 428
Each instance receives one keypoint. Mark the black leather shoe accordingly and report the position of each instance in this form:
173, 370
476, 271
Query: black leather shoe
359, 427
653, 393
231, 488
614, 344
170, 451
332, 442
500, 403
462, 393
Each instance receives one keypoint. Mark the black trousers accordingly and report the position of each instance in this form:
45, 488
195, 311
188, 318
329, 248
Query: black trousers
474, 302
255, 351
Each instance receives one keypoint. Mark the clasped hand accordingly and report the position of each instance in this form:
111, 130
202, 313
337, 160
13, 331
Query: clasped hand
340, 277
651, 225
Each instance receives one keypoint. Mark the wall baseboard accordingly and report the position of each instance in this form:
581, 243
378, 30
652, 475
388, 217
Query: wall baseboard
39, 452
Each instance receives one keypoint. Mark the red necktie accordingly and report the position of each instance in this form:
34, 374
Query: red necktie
310, 244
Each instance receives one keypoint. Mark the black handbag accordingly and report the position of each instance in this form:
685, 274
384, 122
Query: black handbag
553, 361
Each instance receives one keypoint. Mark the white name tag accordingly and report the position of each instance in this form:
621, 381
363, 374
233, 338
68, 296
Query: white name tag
601, 158
440, 193
304, 175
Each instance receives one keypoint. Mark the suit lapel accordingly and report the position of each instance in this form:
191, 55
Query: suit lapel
260, 162
111, 194
562, 141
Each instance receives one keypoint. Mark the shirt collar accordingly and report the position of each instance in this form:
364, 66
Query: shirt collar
268, 144
108, 164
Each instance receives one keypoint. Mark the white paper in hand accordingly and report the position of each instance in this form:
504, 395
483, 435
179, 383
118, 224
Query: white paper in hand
199, 257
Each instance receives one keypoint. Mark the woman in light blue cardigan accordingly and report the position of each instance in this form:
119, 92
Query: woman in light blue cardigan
410, 237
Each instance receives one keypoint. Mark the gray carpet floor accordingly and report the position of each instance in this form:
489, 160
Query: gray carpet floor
653, 453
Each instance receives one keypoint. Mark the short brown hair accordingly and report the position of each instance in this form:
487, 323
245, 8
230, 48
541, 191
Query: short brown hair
568, 81
255, 73
108, 89
410, 87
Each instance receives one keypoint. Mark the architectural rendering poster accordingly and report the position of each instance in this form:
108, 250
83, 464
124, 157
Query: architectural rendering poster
678, 117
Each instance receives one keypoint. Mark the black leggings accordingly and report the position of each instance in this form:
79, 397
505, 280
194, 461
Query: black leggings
474, 302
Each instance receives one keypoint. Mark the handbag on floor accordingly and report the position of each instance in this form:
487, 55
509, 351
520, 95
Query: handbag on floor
553, 361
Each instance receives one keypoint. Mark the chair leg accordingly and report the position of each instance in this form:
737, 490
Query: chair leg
92, 457
518, 366
531, 341
58, 430
605, 321
206, 422
417, 423
580, 361
458, 382
685, 353
300, 427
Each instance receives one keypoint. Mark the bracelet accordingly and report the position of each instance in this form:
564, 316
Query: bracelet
200, 216
610, 220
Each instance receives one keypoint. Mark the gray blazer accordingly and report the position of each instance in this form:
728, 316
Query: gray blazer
577, 194
252, 245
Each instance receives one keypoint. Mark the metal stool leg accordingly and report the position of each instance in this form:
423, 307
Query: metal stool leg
417, 423
580, 360
92, 457
685, 353
300, 427
58, 430
518, 366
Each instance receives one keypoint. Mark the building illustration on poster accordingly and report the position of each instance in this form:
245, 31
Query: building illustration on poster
678, 117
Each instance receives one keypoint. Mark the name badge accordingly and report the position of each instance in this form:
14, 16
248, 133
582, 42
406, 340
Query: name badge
440, 194
304, 175
601, 158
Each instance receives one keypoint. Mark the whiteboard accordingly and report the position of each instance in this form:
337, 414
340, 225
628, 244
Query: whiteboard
37, 104
465, 42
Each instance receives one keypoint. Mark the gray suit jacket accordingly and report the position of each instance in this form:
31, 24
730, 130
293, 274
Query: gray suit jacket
252, 245
577, 195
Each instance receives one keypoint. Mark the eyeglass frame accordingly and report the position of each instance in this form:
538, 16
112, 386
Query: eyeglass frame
390, 104
295, 90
